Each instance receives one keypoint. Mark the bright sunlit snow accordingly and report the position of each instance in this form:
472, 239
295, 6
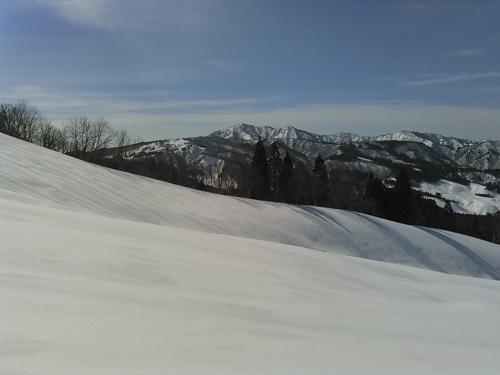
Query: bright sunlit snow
108, 273
467, 199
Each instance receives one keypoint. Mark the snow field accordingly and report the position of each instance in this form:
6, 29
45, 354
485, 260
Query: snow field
107, 273
86, 294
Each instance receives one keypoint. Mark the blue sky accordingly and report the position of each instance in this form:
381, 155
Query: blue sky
180, 68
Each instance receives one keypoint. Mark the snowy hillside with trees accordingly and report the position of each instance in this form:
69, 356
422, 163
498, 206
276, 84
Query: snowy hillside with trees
108, 272
342, 171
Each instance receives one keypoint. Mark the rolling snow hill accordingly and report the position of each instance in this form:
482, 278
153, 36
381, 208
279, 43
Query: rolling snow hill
106, 272
62, 181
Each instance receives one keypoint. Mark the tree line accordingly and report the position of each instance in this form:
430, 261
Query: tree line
80, 136
90, 140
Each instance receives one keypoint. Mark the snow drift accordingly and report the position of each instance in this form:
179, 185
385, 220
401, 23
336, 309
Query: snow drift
108, 273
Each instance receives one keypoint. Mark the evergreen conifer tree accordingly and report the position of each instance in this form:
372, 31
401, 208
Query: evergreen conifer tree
370, 184
448, 210
448, 221
287, 184
275, 169
320, 182
402, 199
259, 179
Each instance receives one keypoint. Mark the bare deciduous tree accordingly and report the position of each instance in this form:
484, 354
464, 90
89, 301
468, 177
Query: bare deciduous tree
85, 136
50, 137
7, 119
122, 138
102, 134
77, 133
21, 120
217, 176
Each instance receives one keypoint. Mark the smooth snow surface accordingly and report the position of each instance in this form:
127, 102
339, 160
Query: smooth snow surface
108, 273
66, 183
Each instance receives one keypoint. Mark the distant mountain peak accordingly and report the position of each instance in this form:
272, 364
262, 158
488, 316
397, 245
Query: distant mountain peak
243, 132
250, 133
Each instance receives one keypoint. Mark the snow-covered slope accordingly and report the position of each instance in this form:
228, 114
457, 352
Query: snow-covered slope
62, 181
107, 273
429, 139
472, 198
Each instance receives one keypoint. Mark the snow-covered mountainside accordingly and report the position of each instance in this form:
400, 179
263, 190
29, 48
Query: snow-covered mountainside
472, 198
454, 151
104, 272
477, 162
250, 133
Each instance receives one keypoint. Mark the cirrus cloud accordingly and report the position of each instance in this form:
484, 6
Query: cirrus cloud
446, 78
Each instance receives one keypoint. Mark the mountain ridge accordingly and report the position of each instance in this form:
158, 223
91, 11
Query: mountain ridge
467, 159
253, 132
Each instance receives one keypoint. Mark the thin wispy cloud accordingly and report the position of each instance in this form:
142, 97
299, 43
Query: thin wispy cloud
169, 117
81, 12
390, 101
447, 78
407, 77
434, 79
131, 16
70, 104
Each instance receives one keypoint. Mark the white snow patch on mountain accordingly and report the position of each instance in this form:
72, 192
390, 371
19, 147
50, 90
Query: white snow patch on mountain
467, 199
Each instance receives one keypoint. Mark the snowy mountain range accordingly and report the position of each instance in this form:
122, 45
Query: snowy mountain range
472, 160
447, 168
106, 272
